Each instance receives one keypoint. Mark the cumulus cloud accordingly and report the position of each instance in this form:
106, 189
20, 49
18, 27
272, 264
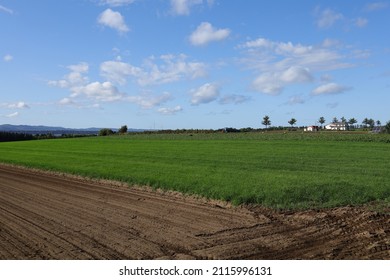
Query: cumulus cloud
105, 91
168, 68
117, 71
183, 7
296, 74
268, 83
327, 18
66, 101
204, 94
74, 79
170, 111
8, 58
274, 83
113, 20
280, 64
330, 88
18, 105
82, 67
146, 100
117, 3
79, 85
206, 33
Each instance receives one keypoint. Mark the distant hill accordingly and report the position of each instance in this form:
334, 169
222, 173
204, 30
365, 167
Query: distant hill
41, 129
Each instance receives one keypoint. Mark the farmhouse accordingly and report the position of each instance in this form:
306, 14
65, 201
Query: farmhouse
337, 126
312, 128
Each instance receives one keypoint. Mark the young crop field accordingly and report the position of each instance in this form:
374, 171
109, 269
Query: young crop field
277, 170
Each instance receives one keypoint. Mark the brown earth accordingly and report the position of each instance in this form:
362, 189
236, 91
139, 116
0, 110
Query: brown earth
53, 216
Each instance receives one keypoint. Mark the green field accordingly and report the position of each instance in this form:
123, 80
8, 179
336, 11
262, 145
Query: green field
292, 170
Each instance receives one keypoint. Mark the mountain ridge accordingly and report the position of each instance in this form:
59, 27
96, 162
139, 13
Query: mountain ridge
52, 129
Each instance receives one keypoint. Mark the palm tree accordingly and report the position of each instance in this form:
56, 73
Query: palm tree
266, 121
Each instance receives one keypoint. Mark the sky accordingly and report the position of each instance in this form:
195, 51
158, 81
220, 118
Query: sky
201, 64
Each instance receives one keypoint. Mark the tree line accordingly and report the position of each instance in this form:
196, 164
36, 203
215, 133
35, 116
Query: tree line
13, 136
366, 123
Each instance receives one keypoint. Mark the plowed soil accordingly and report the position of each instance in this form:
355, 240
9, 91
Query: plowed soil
53, 216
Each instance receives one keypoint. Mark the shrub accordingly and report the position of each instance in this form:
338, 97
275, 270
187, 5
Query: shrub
105, 132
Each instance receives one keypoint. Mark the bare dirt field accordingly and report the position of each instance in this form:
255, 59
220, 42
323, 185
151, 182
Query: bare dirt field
53, 216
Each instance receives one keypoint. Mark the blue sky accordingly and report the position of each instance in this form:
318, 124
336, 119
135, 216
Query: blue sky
170, 64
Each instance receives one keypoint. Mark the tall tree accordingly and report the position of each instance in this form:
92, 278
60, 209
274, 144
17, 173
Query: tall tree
292, 122
387, 127
266, 121
343, 120
365, 122
335, 120
371, 123
352, 121
321, 121
123, 129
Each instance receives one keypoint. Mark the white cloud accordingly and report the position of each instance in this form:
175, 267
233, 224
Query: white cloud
82, 67
169, 68
296, 74
206, 33
296, 99
66, 101
170, 111
268, 83
258, 43
376, 6
147, 101
273, 83
329, 43
6, 10
117, 3
280, 64
330, 88
361, 22
105, 91
327, 18
74, 79
18, 105
117, 71
183, 7
113, 20
12, 115
8, 58
204, 94
233, 99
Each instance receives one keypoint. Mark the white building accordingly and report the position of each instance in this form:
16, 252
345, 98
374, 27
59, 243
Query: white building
312, 128
337, 126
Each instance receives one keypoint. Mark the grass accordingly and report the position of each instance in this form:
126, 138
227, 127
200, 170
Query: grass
291, 170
